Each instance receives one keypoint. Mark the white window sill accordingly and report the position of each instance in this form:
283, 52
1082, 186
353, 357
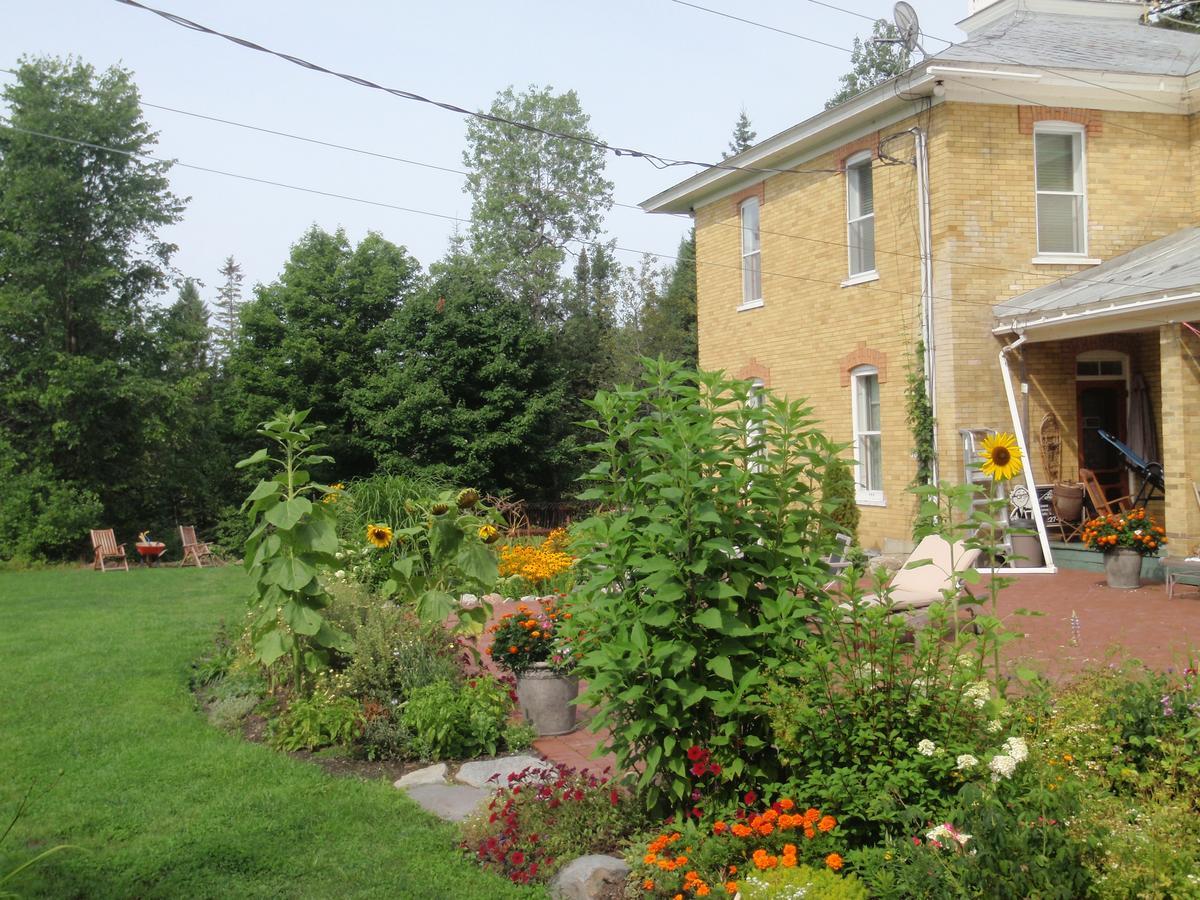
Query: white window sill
870, 500
750, 304
1064, 259
861, 278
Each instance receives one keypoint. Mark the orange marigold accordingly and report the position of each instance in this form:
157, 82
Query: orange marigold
787, 805
834, 861
719, 828
765, 828
827, 823
811, 815
648, 884
731, 888
740, 830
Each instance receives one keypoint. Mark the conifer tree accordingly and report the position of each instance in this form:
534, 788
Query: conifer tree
228, 309
743, 135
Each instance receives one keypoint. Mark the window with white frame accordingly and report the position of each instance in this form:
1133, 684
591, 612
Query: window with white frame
1061, 188
751, 253
754, 428
860, 214
868, 471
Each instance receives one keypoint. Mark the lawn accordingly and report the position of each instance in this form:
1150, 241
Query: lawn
158, 802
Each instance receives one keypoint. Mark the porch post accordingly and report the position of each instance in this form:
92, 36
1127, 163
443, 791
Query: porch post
1180, 364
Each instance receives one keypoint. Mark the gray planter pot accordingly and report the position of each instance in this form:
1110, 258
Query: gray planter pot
1123, 568
545, 699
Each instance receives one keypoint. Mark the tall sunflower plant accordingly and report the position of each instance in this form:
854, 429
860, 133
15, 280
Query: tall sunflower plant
968, 516
448, 552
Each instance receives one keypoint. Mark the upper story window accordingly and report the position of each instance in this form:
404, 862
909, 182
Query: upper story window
751, 254
754, 428
860, 214
1061, 186
868, 447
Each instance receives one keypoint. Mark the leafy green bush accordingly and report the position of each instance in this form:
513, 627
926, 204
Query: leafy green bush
545, 817
384, 735
837, 491
801, 881
227, 713
41, 516
394, 654
449, 722
701, 574
321, 720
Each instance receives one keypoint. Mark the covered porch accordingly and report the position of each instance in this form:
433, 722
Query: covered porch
1113, 351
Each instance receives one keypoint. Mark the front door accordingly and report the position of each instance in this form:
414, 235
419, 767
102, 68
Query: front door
1101, 406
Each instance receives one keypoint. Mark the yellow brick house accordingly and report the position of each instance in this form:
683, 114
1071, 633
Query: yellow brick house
1024, 204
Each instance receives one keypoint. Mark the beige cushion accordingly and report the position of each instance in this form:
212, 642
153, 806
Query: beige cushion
923, 585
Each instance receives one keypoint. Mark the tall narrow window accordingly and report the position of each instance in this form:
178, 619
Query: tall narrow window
868, 473
1061, 192
751, 254
860, 214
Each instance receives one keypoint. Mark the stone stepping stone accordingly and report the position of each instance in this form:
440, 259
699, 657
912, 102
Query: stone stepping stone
435, 774
478, 773
589, 877
452, 802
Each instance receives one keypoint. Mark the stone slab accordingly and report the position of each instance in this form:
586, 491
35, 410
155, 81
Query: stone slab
589, 877
452, 802
435, 774
478, 772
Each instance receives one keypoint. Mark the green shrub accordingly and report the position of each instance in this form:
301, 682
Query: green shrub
544, 818
449, 722
801, 881
215, 664
41, 516
384, 736
692, 595
227, 713
837, 492
394, 654
321, 720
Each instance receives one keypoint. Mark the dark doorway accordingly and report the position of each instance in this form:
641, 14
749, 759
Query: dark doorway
1101, 406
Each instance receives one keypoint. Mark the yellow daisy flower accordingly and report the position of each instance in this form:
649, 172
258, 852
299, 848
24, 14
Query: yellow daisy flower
1002, 456
379, 535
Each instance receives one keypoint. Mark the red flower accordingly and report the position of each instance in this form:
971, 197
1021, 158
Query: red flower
699, 769
613, 797
715, 769
750, 799
694, 752
517, 858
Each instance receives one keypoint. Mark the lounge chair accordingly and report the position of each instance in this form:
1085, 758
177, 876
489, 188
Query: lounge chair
1100, 501
931, 570
839, 558
194, 549
105, 548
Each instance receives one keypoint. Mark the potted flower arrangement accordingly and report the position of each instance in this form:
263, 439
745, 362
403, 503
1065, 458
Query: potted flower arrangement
529, 645
1124, 539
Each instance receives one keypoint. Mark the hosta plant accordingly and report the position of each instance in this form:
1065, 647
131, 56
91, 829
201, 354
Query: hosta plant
292, 539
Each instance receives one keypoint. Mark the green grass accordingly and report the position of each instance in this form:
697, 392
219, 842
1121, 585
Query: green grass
93, 682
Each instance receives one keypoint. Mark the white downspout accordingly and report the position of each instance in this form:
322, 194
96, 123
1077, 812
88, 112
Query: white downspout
924, 217
1048, 568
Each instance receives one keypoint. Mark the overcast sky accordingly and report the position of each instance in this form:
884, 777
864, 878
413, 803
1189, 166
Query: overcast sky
652, 74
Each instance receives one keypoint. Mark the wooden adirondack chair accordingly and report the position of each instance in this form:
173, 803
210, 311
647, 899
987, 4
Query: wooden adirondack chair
1100, 503
194, 549
105, 547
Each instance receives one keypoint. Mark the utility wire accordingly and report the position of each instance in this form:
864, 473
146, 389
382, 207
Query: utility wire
661, 162
421, 212
725, 15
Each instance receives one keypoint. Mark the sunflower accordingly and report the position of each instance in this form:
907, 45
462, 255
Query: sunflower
488, 534
334, 490
1002, 456
379, 535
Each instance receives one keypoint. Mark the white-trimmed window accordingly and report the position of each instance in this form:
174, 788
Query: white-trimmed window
868, 449
860, 214
754, 429
1061, 185
751, 254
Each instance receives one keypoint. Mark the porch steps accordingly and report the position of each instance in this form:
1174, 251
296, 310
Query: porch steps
1077, 556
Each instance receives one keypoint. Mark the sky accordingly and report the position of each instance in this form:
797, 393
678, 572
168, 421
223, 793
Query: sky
654, 75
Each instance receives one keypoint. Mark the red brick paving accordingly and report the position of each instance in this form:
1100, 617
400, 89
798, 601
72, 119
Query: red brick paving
1142, 624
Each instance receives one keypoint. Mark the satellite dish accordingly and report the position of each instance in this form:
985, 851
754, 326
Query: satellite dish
908, 27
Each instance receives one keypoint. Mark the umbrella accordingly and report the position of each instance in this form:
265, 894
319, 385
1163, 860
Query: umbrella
1142, 438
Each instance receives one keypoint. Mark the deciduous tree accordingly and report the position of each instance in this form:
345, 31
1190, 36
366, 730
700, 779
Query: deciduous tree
872, 62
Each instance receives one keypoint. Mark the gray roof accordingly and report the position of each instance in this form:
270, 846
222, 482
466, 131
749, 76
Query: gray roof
1167, 265
1053, 40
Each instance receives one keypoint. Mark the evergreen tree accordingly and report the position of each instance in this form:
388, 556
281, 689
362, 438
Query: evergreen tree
669, 323
533, 194
80, 254
185, 338
228, 309
313, 338
872, 62
743, 136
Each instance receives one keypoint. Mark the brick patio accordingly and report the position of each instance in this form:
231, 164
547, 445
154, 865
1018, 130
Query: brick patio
1143, 624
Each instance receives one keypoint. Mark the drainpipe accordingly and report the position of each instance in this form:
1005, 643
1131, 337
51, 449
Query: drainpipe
1048, 568
924, 216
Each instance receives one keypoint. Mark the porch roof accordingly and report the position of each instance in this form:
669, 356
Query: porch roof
1152, 285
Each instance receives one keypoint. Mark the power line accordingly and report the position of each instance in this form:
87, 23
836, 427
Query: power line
725, 15
421, 212
661, 162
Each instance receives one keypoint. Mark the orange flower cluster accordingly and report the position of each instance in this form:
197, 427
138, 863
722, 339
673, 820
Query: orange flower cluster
767, 822
1134, 529
539, 564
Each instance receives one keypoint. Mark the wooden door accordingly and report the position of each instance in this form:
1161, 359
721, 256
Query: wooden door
1101, 406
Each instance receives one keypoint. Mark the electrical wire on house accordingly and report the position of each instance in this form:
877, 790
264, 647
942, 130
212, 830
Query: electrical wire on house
725, 15
7, 123
660, 162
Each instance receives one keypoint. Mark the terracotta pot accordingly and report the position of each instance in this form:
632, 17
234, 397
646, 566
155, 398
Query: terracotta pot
1067, 501
1123, 567
545, 696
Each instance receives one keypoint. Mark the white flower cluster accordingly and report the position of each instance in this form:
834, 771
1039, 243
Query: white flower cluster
947, 834
966, 761
927, 747
979, 693
356, 567
1003, 764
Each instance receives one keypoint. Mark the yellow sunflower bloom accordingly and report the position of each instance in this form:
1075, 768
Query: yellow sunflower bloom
488, 534
1002, 456
380, 536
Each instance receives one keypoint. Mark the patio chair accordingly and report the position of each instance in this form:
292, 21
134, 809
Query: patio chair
194, 549
915, 588
106, 548
839, 559
1100, 502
